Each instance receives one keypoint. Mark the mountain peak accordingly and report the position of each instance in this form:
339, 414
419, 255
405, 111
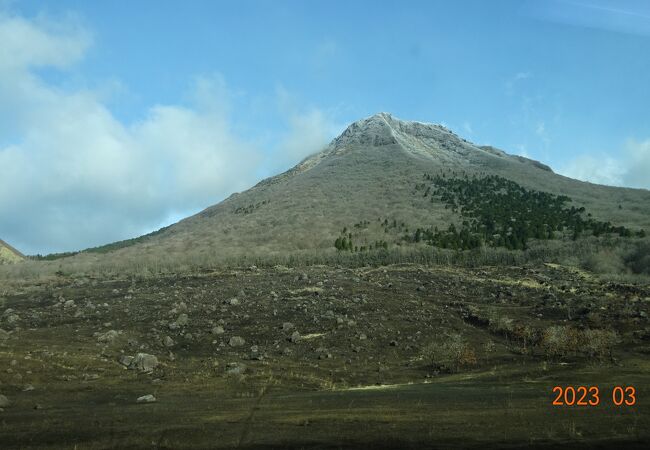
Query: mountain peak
383, 128
375, 130
424, 140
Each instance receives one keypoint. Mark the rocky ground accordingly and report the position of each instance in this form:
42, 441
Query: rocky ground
249, 357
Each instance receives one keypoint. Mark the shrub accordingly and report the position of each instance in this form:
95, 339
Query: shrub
599, 344
501, 324
525, 334
451, 354
559, 341
604, 262
638, 260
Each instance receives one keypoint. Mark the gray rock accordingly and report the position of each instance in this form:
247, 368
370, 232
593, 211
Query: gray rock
236, 341
144, 362
149, 398
295, 337
3, 335
108, 337
286, 326
125, 360
235, 368
69, 304
168, 341
233, 301
12, 319
182, 320
217, 330
4, 401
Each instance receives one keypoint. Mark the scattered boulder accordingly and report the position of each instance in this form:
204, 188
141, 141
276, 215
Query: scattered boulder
286, 326
168, 341
69, 304
217, 330
144, 362
236, 341
108, 337
235, 368
4, 401
4, 335
295, 337
125, 360
149, 398
182, 320
12, 319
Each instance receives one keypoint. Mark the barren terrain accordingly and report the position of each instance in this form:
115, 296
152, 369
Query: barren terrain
319, 356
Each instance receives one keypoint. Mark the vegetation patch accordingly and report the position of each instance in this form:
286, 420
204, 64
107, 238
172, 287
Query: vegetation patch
500, 213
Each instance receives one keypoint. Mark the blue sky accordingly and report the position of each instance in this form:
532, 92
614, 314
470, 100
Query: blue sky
119, 117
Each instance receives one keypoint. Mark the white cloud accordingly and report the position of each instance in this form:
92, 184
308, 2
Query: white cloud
638, 164
596, 169
309, 133
42, 42
73, 175
631, 169
309, 129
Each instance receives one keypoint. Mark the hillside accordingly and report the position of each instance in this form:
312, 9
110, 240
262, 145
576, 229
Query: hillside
8, 254
366, 178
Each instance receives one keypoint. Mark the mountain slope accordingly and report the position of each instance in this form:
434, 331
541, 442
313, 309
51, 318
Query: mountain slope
367, 176
8, 254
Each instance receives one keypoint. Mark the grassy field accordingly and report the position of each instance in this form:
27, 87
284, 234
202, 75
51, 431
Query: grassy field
331, 358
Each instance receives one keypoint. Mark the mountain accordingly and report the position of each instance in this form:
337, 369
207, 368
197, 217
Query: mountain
8, 254
370, 181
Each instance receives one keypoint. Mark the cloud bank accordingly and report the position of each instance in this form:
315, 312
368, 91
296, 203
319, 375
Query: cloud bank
72, 175
630, 169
